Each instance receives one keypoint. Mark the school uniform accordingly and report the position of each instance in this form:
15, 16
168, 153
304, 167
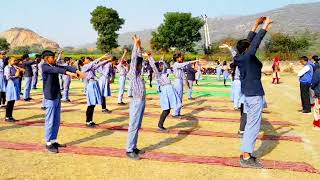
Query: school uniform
178, 70
199, 73
35, 76
93, 92
138, 101
3, 82
104, 82
305, 78
27, 65
190, 78
169, 98
12, 89
316, 87
52, 95
66, 86
251, 86
122, 69
60, 62
218, 71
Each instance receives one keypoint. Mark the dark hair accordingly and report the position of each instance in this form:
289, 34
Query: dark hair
176, 56
305, 58
114, 58
38, 56
224, 62
243, 45
315, 58
46, 53
139, 61
66, 59
25, 56
90, 59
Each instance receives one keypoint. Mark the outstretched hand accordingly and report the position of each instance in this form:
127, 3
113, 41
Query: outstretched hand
137, 40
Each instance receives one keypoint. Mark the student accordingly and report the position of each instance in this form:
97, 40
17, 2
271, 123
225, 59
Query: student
191, 77
35, 71
198, 74
138, 100
123, 70
225, 72
3, 80
218, 70
52, 94
168, 96
60, 62
276, 70
106, 71
305, 78
178, 70
93, 92
316, 87
66, 81
251, 86
27, 65
12, 73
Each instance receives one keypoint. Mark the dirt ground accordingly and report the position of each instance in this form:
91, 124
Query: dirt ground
203, 145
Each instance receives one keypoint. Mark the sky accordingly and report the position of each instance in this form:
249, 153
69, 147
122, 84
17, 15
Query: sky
68, 21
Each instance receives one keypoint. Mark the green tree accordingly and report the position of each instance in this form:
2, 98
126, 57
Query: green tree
22, 50
106, 22
179, 30
4, 45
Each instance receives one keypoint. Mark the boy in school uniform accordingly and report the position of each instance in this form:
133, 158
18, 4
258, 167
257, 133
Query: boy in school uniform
66, 81
3, 80
27, 65
52, 95
93, 92
12, 73
35, 71
191, 77
138, 100
251, 86
305, 77
123, 71
178, 70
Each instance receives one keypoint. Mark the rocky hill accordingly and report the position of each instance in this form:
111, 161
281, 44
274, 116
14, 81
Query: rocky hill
18, 37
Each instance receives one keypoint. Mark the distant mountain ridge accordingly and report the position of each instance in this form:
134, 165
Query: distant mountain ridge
18, 37
288, 19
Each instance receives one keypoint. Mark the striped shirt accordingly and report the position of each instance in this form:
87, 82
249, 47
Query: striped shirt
162, 77
123, 70
90, 69
10, 72
105, 70
135, 77
179, 67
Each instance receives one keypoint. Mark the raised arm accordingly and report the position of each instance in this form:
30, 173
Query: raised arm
49, 69
259, 37
136, 52
182, 65
153, 65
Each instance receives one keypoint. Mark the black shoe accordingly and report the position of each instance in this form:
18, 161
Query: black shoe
91, 125
57, 145
10, 119
162, 129
122, 103
106, 111
133, 155
191, 99
306, 112
3, 106
43, 108
27, 99
34, 88
52, 149
250, 163
138, 151
66, 101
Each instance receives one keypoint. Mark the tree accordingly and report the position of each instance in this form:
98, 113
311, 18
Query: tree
106, 22
4, 45
22, 50
179, 30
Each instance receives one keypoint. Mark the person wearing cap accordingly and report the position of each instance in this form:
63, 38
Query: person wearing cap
3, 81
27, 65
52, 95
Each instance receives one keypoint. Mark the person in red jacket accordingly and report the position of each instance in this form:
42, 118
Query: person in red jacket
276, 70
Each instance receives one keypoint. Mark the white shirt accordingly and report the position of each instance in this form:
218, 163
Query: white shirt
304, 70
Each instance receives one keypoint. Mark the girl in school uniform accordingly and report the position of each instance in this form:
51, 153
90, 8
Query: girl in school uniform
168, 96
218, 70
93, 92
106, 71
198, 73
12, 73
3, 81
